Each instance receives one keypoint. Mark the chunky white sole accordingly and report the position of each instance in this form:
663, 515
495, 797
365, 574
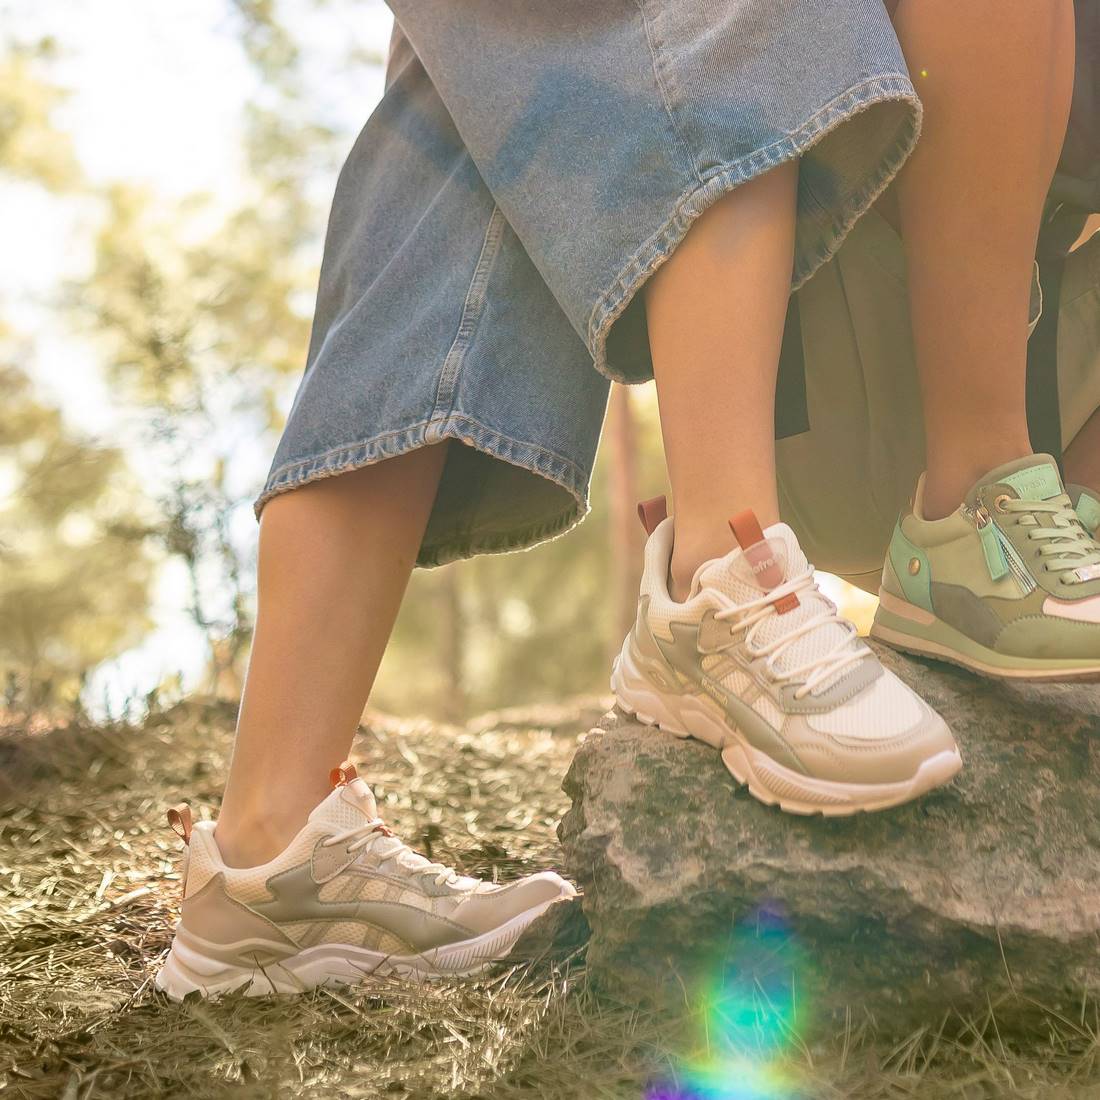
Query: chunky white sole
189, 970
767, 780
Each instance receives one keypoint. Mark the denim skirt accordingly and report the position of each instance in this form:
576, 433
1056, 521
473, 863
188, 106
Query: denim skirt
528, 168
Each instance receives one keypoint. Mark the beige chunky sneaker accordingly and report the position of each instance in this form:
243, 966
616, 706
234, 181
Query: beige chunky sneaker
758, 664
346, 899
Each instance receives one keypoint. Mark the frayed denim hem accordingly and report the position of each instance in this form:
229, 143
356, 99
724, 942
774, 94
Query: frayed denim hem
527, 456
724, 178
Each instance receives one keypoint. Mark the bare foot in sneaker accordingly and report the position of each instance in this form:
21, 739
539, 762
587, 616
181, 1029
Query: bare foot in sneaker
758, 664
344, 900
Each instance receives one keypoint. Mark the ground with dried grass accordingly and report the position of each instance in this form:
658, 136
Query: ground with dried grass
89, 890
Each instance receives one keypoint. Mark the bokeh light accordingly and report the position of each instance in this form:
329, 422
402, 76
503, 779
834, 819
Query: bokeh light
752, 1011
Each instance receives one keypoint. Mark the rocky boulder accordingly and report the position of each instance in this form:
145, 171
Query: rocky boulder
985, 893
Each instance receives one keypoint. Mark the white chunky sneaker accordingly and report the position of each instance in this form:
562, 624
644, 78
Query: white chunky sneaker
346, 899
758, 664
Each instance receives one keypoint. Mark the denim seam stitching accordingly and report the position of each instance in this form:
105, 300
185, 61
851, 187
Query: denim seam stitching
472, 308
562, 470
655, 49
658, 246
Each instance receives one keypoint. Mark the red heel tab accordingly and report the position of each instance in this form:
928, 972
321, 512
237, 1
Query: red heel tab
653, 512
343, 775
179, 821
746, 529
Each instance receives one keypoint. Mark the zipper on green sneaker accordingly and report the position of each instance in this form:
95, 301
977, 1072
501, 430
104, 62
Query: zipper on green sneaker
996, 560
1000, 554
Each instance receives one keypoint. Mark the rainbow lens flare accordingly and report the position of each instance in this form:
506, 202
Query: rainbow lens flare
752, 1012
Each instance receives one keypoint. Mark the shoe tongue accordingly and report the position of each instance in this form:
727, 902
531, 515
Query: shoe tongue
746, 576
1035, 477
739, 578
348, 805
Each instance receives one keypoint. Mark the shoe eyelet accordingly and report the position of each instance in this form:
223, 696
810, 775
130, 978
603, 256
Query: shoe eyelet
998, 503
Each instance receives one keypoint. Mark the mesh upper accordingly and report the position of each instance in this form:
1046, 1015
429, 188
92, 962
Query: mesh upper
733, 577
884, 708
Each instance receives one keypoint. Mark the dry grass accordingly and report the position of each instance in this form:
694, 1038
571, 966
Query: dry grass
88, 892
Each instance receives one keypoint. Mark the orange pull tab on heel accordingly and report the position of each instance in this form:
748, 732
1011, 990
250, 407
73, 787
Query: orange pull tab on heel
761, 558
343, 775
179, 821
652, 513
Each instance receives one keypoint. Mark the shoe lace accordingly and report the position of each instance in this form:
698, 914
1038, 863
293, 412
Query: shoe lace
376, 836
846, 652
1066, 547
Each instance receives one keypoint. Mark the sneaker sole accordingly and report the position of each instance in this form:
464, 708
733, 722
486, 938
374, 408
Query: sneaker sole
688, 716
914, 630
188, 970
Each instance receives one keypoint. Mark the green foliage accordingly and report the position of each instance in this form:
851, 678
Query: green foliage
73, 575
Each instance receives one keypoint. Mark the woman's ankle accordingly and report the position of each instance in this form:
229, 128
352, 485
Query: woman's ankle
699, 541
250, 840
946, 483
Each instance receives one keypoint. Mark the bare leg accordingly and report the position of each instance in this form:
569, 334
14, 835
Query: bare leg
335, 558
996, 81
716, 311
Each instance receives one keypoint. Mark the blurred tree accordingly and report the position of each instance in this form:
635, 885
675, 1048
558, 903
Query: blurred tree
199, 311
73, 576
31, 147
200, 315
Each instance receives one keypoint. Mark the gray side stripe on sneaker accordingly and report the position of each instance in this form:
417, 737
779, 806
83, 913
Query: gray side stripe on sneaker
682, 653
298, 897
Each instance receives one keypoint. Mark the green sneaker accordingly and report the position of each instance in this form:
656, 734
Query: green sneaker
1008, 586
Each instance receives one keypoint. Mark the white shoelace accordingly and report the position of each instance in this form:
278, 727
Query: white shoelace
375, 835
1067, 548
845, 652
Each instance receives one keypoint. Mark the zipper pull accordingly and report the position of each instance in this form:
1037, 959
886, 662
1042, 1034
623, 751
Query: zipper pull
995, 560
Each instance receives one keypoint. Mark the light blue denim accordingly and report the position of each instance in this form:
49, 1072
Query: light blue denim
530, 165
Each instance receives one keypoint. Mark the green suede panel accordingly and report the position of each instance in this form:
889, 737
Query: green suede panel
917, 589
1008, 611
960, 608
1045, 636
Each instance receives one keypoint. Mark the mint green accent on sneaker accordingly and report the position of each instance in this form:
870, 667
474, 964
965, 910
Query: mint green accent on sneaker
993, 551
916, 586
1088, 509
1016, 590
1039, 482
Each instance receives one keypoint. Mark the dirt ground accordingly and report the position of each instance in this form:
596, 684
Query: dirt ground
89, 890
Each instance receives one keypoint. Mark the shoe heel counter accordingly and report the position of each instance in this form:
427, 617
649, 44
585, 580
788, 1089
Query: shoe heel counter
201, 861
890, 582
905, 573
212, 914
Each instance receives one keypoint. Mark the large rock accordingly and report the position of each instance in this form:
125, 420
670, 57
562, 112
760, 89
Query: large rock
986, 892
